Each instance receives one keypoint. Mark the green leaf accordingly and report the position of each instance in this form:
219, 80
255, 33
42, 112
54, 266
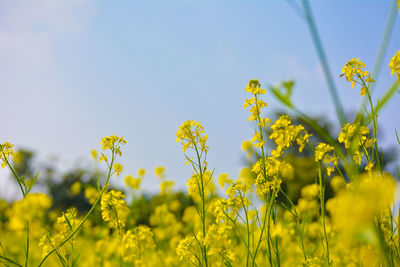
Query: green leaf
283, 92
10, 260
69, 224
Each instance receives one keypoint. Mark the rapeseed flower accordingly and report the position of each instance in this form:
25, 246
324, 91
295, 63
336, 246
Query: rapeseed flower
91, 194
354, 73
132, 182
76, 188
114, 208
159, 172
6, 149
394, 65
325, 153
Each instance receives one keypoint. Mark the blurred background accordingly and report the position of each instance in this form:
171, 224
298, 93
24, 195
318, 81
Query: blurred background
72, 72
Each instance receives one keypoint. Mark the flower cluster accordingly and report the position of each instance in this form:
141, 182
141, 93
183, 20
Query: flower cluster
351, 132
356, 138
325, 153
284, 133
353, 70
188, 249
6, 150
256, 106
135, 242
64, 225
237, 194
132, 182
200, 186
191, 134
112, 143
394, 65
114, 209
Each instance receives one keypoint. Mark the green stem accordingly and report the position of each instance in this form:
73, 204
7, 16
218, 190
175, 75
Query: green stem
10, 261
203, 213
248, 230
374, 122
87, 215
322, 202
15, 176
297, 223
324, 61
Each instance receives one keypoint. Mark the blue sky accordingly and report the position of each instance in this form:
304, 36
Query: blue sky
72, 72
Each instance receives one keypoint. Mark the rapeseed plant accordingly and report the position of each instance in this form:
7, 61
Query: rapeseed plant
347, 216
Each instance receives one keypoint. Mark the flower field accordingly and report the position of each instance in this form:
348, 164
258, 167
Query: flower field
343, 212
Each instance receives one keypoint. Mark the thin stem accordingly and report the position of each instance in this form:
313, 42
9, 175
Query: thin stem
324, 61
322, 202
15, 175
87, 215
203, 213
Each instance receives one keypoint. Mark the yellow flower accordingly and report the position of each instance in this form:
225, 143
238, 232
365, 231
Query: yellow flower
321, 150
254, 87
223, 179
310, 191
353, 211
32, 208
394, 64
353, 70
18, 157
94, 154
135, 242
369, 166
191, 134
91, 194
114, 208
6, 150
247, 175
166, 186
247, 146
236, 194
256, 106
351, 131
65, 226
112, 143
132, 182
398, 5
188, 249
118, 168
325, 152
284, 134
195, 183
141, 172
159, 171
76, 188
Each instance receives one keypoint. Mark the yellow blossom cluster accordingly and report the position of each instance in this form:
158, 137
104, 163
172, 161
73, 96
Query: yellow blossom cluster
191, 134
6, 149
325, 153
284, 134
136, 242
354, 73
112, 143
394, 65
256, 105
114, 208
351, 131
